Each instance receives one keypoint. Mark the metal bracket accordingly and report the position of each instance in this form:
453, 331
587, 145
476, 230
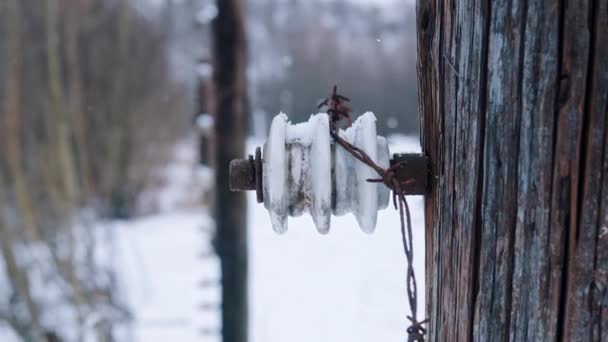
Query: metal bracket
413, 172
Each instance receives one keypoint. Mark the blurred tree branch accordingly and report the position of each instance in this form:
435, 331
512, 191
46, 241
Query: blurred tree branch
83, 130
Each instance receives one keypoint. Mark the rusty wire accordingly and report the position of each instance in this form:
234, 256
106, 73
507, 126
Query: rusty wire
338, 111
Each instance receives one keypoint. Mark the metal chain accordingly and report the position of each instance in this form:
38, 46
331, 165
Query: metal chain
338, 111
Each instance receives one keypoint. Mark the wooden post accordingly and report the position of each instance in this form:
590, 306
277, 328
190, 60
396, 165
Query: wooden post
513, 99
230, 124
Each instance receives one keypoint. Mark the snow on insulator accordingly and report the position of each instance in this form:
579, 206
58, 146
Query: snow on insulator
305, 171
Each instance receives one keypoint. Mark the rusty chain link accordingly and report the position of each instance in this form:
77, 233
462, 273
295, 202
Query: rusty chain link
338, 110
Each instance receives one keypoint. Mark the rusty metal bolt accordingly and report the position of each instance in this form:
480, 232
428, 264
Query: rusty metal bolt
246, 174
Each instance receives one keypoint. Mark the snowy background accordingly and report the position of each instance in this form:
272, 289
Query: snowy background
104, 213
304, 286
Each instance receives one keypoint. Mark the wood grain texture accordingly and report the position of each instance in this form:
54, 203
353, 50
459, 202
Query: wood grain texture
513, 100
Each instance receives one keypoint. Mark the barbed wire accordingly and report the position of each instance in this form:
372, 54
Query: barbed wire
338, 110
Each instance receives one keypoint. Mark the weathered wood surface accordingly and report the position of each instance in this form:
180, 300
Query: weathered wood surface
230, 125
514, 116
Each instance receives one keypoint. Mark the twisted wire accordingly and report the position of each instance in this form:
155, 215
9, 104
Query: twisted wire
338, 111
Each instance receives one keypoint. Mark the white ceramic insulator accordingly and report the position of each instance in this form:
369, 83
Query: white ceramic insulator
275, 173
304, 170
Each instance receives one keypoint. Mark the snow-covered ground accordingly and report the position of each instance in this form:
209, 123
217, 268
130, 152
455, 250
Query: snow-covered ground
304, 286
344, 286
161, 258
161, 270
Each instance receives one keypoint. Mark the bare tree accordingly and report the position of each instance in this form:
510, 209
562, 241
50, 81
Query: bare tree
82, 128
